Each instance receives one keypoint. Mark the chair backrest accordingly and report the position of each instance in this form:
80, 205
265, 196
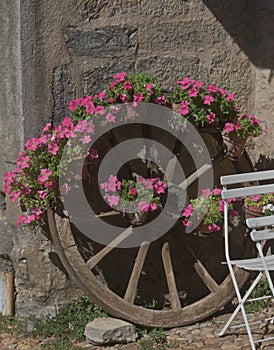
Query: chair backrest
243, 179
258, 225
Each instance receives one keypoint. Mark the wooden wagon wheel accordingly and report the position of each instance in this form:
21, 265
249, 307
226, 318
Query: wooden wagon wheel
182, 277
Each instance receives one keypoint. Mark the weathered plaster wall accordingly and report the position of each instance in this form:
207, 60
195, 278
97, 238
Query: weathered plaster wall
53, 51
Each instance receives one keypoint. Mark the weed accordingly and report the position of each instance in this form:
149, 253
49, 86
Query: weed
155, 339
70, 321
262, 289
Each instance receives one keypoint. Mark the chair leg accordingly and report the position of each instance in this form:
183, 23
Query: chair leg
240, 306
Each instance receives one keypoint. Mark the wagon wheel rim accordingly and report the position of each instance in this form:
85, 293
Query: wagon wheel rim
79, 270
123, 307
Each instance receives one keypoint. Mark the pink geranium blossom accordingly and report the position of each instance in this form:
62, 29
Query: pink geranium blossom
184, 109
188, 210
206, 192
228, 128
214, 227
44, 175
127, 85
208, 100
144, 206
211, 117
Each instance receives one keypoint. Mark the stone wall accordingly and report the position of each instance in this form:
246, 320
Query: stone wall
53, 51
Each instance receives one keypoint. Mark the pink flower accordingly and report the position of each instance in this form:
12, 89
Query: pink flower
160, 187
26, 190
85, 139
217, 191
132, 191
206, 192
100, 110
53, 148
193, 92
185, 83
123, 97
143, 206
238, 126
32, 144
50, 185
137, 98
212, 88
127, 85
93, 153
46, 128
183, 110
230, 97
198, 84
214, 227
153, 206
42, 194
160, 100
185, 223
256, 197
221, 205
119, 77
112, 200
14, 196
110, 118
228, 128
90, 108
211, 117
23, 161
9, 177
222, 91
208, 99
112, 85
44, 175
149, 88
266, 130
188, 210
73, 104
100, 95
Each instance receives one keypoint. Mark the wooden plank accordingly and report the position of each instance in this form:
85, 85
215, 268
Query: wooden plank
108, 213
174, 298
205, 276
92, 262
251, 176
136, 272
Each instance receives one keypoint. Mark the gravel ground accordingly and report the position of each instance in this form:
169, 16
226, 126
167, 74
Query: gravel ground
194, 337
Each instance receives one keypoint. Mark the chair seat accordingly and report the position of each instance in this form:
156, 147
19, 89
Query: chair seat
255, 263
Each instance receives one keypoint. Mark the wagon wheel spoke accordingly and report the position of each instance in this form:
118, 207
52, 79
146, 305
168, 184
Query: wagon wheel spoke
136, 272
92, 262
173, 293
105, 214
204, 274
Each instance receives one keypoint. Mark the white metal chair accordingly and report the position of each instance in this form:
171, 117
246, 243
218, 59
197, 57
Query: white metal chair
261, 230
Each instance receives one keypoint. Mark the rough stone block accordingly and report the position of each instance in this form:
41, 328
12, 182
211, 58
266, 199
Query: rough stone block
107, 41
110, 331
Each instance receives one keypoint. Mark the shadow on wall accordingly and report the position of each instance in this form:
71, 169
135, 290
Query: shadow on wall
251, 25
264, 163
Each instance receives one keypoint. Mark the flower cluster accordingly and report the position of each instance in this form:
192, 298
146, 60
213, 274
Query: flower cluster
130, 196
244, 126
265, 202
134, 88
209, 208
203, 105
33, 184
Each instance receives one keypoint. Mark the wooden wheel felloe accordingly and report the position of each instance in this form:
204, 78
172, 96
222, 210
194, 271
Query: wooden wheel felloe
173, 281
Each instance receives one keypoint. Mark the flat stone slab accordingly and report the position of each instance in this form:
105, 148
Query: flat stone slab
108, 330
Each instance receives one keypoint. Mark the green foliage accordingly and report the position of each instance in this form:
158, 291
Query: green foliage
70, 321
156, 339
261, 290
